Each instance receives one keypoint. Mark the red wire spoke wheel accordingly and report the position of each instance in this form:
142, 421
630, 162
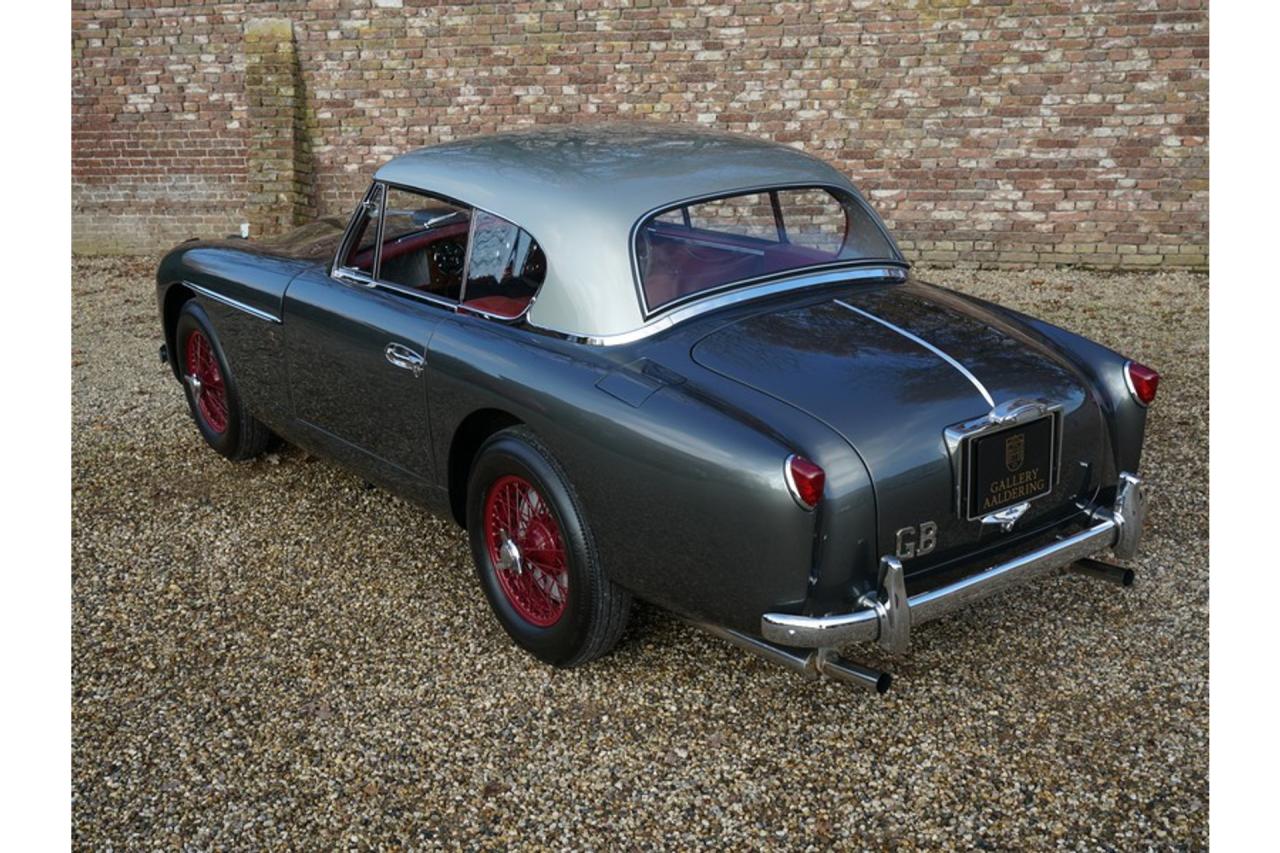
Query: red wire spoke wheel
527, 549
211, 389
204, 378
535, 557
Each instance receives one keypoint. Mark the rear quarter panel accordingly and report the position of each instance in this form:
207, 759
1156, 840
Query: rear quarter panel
683, 490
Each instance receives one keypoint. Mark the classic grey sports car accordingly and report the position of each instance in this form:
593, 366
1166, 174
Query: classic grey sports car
678, 365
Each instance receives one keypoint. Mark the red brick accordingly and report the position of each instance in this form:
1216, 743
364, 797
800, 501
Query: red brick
1037, 132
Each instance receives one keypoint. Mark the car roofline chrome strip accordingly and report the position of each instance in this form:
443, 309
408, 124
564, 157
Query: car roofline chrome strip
233, 303
964, 371
727, 298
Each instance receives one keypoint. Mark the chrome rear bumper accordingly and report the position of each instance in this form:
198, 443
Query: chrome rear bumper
887, 615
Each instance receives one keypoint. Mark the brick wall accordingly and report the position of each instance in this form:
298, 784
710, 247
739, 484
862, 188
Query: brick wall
993, 132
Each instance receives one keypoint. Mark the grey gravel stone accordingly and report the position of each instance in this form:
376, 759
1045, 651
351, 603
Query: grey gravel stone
268, 654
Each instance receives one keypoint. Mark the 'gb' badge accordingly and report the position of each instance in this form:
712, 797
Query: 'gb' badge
917, 541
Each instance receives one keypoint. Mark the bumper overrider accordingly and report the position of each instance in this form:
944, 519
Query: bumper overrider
888, 614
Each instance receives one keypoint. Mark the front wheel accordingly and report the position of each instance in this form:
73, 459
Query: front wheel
212, 392
534, 554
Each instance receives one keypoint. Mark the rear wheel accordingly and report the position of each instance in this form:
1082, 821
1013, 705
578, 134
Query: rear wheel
534, 554
211, 389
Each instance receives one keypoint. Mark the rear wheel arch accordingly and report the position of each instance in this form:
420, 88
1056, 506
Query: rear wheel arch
549, 591
467, 439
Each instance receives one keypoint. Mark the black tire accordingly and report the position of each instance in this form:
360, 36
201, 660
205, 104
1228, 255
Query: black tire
243, 436
595, 610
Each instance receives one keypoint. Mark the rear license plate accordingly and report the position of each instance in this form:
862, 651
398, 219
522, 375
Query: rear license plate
1010, 466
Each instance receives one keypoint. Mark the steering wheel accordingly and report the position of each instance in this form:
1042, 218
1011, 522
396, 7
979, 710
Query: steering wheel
449, 257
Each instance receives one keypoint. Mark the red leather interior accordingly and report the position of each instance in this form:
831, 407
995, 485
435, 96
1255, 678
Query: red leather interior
677, 265
503, 306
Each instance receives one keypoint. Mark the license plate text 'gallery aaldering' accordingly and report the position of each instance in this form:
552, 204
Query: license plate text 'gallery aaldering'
1012, 466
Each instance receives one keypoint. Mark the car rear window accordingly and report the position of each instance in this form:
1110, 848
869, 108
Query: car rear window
685, 250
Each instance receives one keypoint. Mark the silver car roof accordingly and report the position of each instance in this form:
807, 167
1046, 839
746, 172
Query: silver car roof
580, 190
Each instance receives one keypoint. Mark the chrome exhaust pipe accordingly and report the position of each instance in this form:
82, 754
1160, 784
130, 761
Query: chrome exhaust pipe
832, 665
811, 665
1103, 571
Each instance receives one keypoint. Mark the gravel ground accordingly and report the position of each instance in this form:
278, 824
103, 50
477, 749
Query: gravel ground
269, 654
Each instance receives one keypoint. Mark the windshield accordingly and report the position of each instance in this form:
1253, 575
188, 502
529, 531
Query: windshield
690, 249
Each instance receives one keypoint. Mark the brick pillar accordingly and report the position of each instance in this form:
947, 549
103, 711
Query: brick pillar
279, 152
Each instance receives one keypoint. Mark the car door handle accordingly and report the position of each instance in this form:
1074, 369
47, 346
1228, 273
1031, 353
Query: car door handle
401, 356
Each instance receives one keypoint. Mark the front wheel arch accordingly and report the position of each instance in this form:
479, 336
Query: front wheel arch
175, 297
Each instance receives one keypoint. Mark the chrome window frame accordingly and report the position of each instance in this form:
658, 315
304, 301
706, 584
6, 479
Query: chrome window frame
648, 313
336, 267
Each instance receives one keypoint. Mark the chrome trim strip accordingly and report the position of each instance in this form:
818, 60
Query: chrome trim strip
232, 303
348, 275
887, 614
462, 308
733, 297
964, 371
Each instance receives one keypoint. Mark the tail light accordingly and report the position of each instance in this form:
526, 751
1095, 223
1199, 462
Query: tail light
1143, 382
805, 479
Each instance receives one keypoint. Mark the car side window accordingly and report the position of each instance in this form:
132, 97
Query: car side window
424, 243
505, 269
416, 241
